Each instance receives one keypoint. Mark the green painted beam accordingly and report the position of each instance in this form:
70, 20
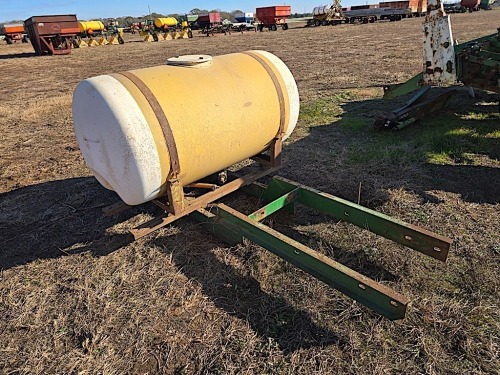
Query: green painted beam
460, 47
275, 205
393, 91
207, 218
383, 300
485, 60
276, 189
255, 189
414, 237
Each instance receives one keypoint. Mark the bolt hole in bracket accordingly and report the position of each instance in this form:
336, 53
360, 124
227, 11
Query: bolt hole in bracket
235, 227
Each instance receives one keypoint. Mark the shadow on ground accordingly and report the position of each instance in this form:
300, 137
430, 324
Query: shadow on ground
41, 221
63, 218
18, 55
239, 294
347, 155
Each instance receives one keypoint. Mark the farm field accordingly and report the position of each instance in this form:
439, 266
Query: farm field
78, 296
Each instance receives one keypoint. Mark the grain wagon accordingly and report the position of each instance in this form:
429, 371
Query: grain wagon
52, 35
273, 16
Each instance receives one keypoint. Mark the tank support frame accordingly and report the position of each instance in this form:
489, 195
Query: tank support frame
176, 204
235, 227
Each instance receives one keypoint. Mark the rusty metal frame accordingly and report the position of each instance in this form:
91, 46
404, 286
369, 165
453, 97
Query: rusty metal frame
462, 55
177, 205
55, 50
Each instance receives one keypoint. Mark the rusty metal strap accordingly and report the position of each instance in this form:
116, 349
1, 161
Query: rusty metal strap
277, 86
162, 119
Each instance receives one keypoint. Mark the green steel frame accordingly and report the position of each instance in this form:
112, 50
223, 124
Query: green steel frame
233, 227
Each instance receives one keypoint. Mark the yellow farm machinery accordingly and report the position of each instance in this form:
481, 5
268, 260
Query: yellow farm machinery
158, 151
95, 33
165, 28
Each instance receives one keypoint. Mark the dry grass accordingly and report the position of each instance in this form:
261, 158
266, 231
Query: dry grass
78, 296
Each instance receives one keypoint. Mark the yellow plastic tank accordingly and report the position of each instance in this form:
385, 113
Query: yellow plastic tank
165, 22
90, 25
220, 110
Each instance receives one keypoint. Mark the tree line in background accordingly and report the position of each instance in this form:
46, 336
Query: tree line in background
128, 20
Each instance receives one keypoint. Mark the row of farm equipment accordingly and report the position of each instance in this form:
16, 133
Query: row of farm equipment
165, 28
95, 33
56, 35
270, 18
334, 13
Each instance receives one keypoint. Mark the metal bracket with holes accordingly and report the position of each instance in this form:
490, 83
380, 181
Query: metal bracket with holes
233, 226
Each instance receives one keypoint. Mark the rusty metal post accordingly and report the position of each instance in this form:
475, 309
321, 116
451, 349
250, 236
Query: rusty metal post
439, 55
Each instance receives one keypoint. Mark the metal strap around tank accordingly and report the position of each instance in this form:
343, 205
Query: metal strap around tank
162, 119
277, 86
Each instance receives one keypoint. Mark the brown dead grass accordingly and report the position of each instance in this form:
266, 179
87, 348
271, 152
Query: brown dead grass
77, 296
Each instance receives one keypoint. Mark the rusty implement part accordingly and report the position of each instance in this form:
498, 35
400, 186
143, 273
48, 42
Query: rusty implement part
233, 227
439, 55
188, 206
115, 208
490, 43
417, 108
202, 185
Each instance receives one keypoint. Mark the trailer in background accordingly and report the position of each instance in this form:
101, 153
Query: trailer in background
272, 17
418, 7
13, 32
334, 14
164, 28
211, 24
209, 20
52, 35
325, 15
370, 15
246, 17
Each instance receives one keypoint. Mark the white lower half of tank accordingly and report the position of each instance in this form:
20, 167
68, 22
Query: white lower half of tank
115, 140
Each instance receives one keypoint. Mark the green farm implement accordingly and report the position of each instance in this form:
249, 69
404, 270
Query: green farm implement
475, 63
234, 227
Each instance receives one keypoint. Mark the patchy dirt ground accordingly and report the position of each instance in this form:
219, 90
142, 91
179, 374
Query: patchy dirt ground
77, 296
